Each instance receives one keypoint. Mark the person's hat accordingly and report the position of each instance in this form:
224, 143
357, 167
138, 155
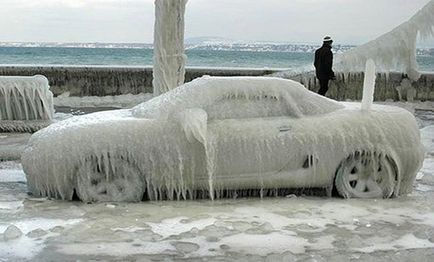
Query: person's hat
327, 39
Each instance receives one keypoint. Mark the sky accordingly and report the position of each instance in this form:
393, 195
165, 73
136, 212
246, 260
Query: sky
131, 21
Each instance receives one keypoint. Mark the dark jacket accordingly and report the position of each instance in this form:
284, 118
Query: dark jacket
324, 62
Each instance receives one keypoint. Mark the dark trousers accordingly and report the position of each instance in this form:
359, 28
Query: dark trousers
324, 86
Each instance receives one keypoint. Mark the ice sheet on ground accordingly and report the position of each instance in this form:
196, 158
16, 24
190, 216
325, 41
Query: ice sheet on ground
427, 170
366, 227
23, 246
427, 137
12, 145
11, 171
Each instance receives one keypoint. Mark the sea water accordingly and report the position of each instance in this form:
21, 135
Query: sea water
143, 56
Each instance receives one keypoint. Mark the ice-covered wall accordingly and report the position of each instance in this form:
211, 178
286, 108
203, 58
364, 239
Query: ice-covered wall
104, 80
388, 86
169, 56
395, 50
109, 81
25, 98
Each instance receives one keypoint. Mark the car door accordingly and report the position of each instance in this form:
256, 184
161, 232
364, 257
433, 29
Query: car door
249, 140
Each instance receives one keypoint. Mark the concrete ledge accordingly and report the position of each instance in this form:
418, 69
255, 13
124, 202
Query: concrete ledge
387, 86
112, 80
117, 80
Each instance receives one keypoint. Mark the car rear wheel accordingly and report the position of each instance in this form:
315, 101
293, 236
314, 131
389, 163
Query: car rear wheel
366, 175
109, 179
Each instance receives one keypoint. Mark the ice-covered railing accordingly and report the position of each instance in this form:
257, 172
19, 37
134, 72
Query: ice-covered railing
25, 100
395, 50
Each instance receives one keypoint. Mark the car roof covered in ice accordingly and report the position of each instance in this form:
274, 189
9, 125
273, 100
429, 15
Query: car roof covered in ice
205, 91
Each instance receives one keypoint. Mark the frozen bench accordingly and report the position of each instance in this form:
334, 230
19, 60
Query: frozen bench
26, 103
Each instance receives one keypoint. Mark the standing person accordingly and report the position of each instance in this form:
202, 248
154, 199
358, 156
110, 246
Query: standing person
323, 65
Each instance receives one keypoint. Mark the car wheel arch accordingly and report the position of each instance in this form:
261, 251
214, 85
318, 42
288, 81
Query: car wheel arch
391, 157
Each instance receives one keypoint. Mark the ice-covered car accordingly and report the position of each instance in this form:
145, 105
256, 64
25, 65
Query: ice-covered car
218, 135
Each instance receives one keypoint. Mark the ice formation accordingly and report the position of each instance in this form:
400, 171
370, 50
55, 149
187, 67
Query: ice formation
368, 85
119, 101
406, 89
26, 103
11, 233
169, 57
220, 137
395, 50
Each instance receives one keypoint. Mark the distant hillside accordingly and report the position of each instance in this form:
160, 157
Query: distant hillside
207, 43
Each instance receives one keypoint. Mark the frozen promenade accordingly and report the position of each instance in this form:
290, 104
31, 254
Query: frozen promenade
305, 228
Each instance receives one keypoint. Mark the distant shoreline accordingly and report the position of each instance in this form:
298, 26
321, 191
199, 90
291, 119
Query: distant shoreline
78, 66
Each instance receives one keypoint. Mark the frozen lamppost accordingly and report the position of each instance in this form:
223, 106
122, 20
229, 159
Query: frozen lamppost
169, 57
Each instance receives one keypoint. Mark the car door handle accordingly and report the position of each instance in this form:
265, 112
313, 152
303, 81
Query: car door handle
284, 128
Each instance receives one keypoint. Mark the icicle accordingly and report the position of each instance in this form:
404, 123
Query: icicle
25, 98
26, 103
368, 85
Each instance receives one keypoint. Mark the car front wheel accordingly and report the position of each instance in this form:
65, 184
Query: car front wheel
366, 175
109, 179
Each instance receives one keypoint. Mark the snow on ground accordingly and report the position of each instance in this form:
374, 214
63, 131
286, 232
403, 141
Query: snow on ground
272, 229
12, 144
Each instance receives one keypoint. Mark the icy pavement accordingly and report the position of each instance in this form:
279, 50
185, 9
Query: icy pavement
273, 229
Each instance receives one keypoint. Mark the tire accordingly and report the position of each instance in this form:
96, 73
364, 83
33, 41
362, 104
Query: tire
109, 180
366, 175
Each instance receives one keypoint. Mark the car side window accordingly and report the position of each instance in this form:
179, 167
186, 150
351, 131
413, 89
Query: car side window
240, 106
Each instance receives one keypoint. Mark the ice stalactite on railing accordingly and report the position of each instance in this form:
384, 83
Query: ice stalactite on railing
368, 85
169, 57
395, 50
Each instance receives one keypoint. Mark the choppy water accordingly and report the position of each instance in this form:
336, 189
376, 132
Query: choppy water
124, 56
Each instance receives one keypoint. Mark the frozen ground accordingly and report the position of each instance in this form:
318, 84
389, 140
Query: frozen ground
306, 228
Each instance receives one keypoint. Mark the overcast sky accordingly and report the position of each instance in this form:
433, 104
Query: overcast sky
123, 21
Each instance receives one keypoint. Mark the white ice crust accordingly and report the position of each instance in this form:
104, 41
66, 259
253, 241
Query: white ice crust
26, 103
368, 85
119, 101
216, 134
395, 50
25, 98
169, 57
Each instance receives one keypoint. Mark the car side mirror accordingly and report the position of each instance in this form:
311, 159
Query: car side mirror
194, 123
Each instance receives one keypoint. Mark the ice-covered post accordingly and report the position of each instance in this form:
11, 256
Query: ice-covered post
169, 57
368, 85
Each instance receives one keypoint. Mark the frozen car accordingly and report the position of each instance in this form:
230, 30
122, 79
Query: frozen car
217, 135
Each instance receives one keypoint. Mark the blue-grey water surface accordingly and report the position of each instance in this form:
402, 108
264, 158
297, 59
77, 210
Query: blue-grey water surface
141, 57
